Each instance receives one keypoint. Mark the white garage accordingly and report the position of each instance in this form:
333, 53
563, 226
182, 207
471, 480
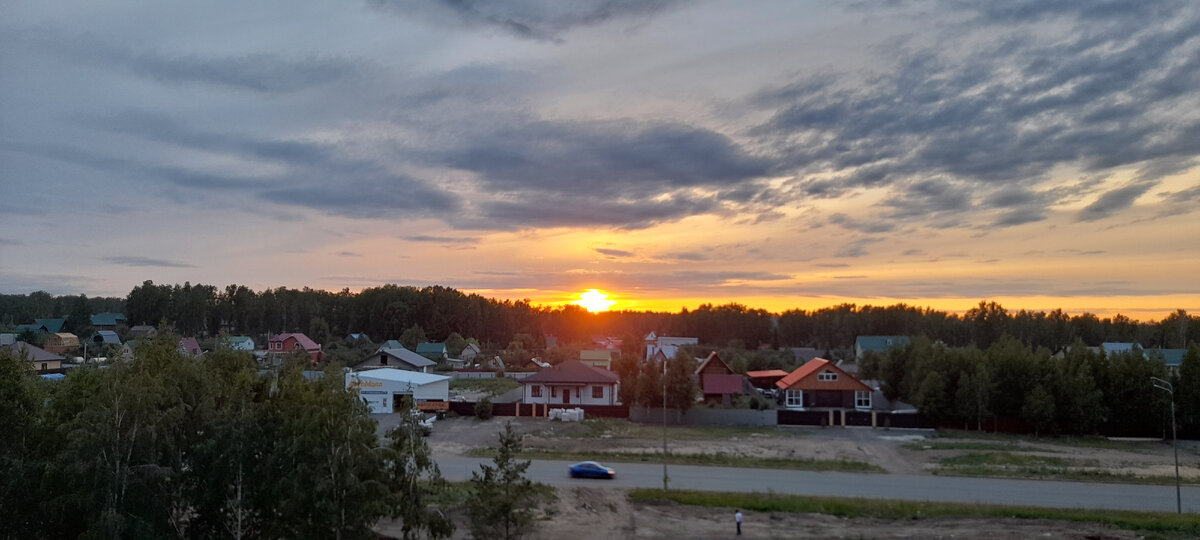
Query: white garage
381, 388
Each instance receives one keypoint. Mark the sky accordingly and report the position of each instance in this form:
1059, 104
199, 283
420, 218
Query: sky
790, 154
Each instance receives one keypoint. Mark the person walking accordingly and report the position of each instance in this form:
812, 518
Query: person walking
737, 517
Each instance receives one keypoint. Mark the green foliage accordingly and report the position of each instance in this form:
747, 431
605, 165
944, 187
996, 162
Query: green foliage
483, 409
455, 344
502, 500
681, 389
649, 385
1038, 410
169, 446
413, 479
412, 336
494, 386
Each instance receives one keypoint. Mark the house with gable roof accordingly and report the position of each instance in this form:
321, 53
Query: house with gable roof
40, 360
822, 384
572, 382
668, 345
718, 383
108, 321
398, 358
284, 344
62, 342
433, 351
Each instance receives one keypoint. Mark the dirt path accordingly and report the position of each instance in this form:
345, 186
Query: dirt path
586, 513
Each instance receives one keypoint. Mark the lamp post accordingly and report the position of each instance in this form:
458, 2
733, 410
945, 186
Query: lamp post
664, 424
1166, 387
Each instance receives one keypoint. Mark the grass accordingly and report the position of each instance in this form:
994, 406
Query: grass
624, 429
1005, 464
711, 460
1153, 524
494, 386
1078, 441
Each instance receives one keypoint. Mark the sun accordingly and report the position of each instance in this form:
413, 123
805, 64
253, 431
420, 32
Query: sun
594, 300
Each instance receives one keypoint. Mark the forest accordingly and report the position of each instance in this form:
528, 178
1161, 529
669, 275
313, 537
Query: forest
386, 312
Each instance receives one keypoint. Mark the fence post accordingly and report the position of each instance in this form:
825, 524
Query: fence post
843, 417
830, 417
874, 420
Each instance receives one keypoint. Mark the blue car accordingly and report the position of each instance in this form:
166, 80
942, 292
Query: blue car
591, 469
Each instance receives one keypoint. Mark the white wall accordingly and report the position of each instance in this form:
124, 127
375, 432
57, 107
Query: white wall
609, 396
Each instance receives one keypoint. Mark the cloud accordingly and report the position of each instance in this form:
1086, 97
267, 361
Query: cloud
145, 261
256, 72
530, 19
439, 239
616, 253
348, 254
1113, 201
688, 256
10, 242
860, 225
857, 248
1095, 93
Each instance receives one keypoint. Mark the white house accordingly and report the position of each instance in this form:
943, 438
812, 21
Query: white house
572, 382
381, 388
668, 345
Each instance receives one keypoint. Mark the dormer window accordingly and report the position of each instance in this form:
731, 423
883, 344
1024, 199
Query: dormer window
827, 376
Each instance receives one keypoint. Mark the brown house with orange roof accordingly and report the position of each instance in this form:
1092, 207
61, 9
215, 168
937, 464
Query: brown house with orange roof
821, 384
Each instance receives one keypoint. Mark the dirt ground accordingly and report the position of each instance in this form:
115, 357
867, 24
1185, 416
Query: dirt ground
585, 513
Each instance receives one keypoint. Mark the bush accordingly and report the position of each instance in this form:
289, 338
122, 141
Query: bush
483, 409
755, 404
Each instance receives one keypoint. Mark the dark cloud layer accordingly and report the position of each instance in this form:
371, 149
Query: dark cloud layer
144, 261
1095, 94
530, 19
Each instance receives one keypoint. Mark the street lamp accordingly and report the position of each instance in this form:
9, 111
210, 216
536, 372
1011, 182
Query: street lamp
664, 423
1166, 387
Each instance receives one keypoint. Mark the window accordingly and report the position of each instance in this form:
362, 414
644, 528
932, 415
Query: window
862, 399
553, 392
383, 359
794, 398
827, 376
535, 390
597, 392
279, 345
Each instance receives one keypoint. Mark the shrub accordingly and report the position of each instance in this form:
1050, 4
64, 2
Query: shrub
483, 409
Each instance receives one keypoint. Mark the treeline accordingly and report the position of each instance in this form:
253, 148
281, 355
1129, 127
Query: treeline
386, 312
170, 446
1076, 391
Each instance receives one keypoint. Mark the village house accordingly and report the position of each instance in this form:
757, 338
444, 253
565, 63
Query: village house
718, 383
596, 358
433, 351
398, 358
284, 344
62, 343
190, 346
40, 360
821, 384
108, 321
572, 382
666, 344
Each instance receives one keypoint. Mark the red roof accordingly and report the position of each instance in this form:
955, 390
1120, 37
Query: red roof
723, 384
573, 372
845, 380
766, 373
303, 340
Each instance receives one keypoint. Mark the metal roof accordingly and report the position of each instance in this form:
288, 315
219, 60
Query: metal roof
397, 375
409, 357
572, 371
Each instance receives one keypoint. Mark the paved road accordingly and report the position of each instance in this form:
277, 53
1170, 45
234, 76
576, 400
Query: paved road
883, 486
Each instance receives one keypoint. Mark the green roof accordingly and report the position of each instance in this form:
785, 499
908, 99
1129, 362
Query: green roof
52, 326
880, 343
108, 319
436, 348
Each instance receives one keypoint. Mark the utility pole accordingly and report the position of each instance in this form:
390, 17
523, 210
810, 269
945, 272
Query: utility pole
664, 424
1166, 387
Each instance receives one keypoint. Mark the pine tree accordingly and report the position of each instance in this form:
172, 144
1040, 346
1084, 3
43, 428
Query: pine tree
502, 500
